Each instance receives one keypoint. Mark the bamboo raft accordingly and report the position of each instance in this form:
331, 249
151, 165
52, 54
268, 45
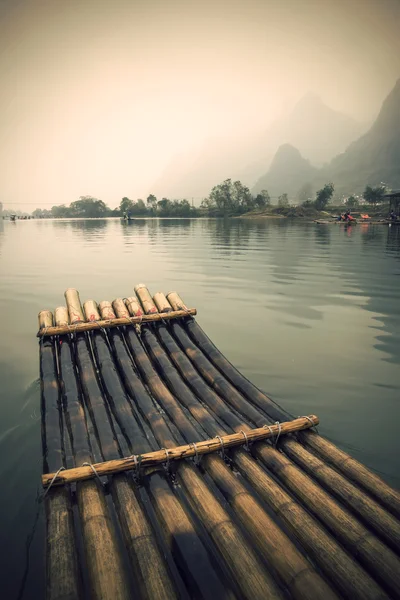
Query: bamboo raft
168, 474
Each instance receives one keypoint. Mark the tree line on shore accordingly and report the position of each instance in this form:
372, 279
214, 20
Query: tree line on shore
229, 198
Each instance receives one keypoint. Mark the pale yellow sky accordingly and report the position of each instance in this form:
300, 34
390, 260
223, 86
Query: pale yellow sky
96, 97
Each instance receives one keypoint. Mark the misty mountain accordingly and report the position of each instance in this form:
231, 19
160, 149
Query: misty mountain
318, 132
372, 159
375, 156
288, 167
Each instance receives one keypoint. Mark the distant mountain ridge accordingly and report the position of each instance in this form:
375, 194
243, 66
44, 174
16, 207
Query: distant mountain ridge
375, 156
287, 166
318, 132
372, 159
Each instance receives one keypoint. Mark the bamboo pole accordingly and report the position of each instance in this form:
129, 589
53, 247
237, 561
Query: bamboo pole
353, 469
213, 377
115, 394
63, 581
176, 301
369, 553
384, 523
106, 310
133, 306
179, 533
215, 380
82, 327
150, 571
158, 457
104, 566
161, 302
61, 315
373, 554
119, 308
91, 310
282, 555
145, 299
74, 306
342, 569
238, 557
336, 564
367, 508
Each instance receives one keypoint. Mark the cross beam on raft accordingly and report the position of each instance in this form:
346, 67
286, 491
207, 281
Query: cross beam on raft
166, 455
80, 327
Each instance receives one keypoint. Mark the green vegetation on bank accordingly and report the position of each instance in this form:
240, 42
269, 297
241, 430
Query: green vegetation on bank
88, 207
228, 199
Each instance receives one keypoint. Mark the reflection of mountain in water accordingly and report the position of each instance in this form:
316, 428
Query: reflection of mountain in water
86, 227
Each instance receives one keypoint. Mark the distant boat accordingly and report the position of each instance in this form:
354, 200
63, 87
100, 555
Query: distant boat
13, 217
127, 218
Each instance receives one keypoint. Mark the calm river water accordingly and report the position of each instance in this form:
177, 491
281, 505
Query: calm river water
308, 312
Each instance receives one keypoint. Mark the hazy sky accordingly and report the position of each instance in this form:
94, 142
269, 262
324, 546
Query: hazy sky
97, 96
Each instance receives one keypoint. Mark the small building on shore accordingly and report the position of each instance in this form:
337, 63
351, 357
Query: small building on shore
394, 201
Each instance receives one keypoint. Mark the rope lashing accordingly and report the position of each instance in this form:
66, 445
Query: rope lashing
221, 441
138, 326
269, 429
186, 310
279, 433
309, 419
167, 457
88, 464
273, 433
137, 462
44, 333
94, 471
52, 481
196, 458
246, 445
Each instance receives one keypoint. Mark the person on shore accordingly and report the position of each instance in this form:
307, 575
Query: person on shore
346, 217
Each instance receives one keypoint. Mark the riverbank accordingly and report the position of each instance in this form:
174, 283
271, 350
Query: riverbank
292, 212
309, 213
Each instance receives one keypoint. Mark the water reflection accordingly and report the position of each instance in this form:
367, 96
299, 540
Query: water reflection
83, 227
372, 233
323, 234
229, 236
393, 240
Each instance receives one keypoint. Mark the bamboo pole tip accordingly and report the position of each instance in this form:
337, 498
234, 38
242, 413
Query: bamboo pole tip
139, 286
119, 308
68, 290
45, 318
161, 302
133, 306
61, 316
90, 310
106, 310
176, 301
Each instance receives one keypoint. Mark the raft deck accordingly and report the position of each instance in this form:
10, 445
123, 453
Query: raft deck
168, 474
